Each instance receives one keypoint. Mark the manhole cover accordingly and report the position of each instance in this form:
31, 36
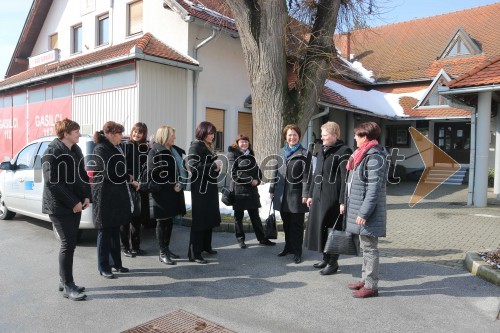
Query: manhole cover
179, 321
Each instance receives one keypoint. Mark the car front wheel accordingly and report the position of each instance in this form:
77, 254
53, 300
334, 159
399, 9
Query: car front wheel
5, 214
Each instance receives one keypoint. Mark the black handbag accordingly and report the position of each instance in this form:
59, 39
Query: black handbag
341, 242
271, 230
136, 199
227, 197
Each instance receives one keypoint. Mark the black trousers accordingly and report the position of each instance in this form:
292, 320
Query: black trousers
256, 224
108, 245
199, 240
67, 228
130, 233
293, 225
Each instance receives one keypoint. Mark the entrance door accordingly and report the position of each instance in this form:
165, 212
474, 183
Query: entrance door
454, 139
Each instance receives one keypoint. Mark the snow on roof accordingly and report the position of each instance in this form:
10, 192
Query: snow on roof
367, 74
381, 103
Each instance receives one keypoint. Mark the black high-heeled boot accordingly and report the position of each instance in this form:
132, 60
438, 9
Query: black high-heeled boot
324, 262
165, 257
332, 266
71, 292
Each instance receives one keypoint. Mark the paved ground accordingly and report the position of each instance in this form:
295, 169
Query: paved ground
439, 229
252, 290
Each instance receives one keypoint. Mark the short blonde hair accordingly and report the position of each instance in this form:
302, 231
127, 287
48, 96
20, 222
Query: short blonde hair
331, 127
163, 134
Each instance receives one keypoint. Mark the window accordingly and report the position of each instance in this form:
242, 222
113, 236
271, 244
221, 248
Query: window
103, 29
77, 38
134, 18
398, 136
458, 49
26, 157
108, 79
216, 117
53, 41
245, 123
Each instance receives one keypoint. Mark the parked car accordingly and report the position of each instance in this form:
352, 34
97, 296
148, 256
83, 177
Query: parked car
21, 182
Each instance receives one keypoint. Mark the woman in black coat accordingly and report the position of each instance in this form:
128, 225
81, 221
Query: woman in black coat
290, 190
66, 192
165, 166
136, 152
327, 195
112, 201
245, 177
204, 167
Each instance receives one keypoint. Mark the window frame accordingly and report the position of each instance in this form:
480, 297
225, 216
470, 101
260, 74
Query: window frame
74, 29
129, 18
51, 46
99, 29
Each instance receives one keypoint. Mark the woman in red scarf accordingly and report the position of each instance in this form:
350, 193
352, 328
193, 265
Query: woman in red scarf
366, 203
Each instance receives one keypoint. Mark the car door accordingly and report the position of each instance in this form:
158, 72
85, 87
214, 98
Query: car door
33, 189
17, 179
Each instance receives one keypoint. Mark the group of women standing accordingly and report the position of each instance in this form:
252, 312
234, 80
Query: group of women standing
294, 190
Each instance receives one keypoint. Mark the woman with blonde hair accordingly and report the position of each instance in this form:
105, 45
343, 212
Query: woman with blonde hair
165, 167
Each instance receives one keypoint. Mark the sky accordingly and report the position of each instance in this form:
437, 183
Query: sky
13, 15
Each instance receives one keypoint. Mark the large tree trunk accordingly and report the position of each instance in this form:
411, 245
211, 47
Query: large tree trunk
261, 26
317, 63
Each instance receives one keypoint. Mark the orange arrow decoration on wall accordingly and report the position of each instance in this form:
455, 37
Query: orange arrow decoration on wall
439, 166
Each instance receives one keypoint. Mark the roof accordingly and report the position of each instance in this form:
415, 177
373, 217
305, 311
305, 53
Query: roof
29, 35
146, 44
409, 50
216, 12
486, 73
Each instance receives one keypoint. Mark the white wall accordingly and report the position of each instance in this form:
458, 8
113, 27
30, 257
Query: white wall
223, 83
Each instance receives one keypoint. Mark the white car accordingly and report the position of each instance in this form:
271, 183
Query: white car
21, 182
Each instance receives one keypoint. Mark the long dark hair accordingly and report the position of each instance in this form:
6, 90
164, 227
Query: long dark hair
109, 127
204, 129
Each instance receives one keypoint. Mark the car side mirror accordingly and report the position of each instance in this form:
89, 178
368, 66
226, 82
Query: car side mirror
6, 166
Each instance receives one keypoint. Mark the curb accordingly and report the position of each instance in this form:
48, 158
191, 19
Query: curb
226, 226
479, 267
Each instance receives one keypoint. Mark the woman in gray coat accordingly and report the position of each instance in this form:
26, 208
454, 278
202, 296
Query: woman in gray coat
366, 203
290, 190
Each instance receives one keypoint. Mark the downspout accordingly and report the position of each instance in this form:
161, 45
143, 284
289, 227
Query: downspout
111, 21
472, 164
196, 74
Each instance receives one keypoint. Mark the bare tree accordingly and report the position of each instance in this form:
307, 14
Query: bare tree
280, 36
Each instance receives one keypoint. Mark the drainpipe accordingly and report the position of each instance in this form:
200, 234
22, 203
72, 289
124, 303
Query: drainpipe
111, 21
472, 163
196, 74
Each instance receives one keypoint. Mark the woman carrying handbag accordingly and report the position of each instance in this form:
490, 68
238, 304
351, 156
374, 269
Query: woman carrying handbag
245, 177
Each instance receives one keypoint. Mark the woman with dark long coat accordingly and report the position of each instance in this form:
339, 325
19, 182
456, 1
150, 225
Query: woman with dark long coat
290, 190
165, 165
245, 176
136, 152
66, 192
112, 200
204, 167
327, 195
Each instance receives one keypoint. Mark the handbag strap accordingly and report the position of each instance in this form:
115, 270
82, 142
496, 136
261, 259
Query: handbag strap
335, 224
270, 207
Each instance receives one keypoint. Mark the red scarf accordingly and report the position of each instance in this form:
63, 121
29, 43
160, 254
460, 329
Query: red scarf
358, 154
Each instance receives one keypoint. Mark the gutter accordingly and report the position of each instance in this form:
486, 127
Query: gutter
104, 63
368, 113
469, 90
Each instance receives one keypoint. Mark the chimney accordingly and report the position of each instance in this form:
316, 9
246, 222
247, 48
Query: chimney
348, 46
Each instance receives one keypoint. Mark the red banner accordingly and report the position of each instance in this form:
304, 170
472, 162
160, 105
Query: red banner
43, 116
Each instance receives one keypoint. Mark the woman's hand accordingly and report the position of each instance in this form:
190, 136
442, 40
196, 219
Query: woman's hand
77, 208
135, 184
86, 203
360, 220
177, 187
254, 182
218, 163
304, 200
342, 209
309, 202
